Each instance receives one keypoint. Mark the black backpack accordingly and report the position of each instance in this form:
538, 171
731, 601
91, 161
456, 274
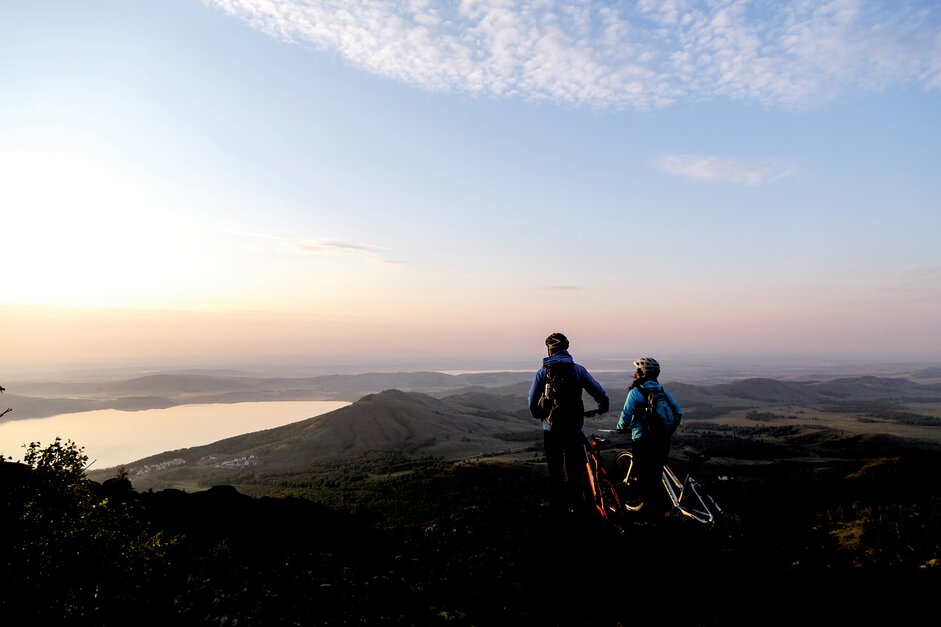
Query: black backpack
660, 415
564, 393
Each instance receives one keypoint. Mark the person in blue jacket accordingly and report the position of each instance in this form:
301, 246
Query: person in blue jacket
562, 433
651, 436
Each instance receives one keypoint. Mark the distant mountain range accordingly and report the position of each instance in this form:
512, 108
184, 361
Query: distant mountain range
41, 399
454, 417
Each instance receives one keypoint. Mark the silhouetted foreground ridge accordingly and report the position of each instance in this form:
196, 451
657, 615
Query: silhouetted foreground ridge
459, 544
407, 509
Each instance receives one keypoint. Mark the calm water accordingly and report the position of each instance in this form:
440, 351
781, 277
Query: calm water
111, 437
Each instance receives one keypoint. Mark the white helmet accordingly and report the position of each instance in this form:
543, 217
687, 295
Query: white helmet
647, 365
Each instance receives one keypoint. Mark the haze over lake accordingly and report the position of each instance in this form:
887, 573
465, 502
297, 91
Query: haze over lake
113, 437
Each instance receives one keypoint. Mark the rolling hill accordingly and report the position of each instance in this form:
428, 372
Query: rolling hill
477, 421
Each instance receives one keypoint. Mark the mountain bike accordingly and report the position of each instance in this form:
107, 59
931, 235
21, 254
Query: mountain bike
688, 496
600, 492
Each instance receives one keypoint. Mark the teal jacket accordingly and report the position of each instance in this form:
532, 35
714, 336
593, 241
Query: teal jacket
633, 412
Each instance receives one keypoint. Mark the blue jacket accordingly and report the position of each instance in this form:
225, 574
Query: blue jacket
633, 409
589, 384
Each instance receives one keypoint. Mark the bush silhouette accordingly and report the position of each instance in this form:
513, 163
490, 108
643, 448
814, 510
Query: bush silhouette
70, 545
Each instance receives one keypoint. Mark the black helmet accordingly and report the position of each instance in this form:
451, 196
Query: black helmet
647, 365
557, 341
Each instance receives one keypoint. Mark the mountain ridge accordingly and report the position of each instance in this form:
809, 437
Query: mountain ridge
475, 422
167, 390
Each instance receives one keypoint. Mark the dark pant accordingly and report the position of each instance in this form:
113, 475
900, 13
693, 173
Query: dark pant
565, 457
650, 454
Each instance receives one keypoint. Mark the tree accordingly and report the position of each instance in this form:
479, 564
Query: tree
80, 548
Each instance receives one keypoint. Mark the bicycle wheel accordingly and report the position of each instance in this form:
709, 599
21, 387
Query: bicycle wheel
625, 477
624, 463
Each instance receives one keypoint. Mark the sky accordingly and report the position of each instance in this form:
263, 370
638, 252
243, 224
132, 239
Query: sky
418, 181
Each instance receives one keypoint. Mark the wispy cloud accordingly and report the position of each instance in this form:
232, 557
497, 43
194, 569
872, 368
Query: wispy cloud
275, 241
642, 54
703, 168
339, 247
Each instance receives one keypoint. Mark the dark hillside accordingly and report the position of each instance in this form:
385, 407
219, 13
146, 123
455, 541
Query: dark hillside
471, 544
403, 508
407, 508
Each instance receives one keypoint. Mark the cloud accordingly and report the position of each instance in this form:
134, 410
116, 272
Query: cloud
338, 247
643, 54
275, 241
700, 168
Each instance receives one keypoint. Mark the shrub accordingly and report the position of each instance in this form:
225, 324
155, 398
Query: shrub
78, 548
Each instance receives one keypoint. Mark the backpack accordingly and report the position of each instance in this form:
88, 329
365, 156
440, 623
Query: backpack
660, 415
564, 393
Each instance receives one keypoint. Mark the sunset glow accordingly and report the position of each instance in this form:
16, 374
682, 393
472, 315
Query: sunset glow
207, 182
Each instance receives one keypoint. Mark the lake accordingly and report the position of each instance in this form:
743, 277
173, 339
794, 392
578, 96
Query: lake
113, 437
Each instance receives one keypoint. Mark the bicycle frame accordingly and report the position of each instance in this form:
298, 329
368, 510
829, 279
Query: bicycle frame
685, 495
602, 493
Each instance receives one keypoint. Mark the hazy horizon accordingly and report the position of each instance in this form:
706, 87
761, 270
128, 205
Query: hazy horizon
689, 369
365, 184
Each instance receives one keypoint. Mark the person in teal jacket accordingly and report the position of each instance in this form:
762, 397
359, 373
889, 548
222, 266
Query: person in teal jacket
651, 436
